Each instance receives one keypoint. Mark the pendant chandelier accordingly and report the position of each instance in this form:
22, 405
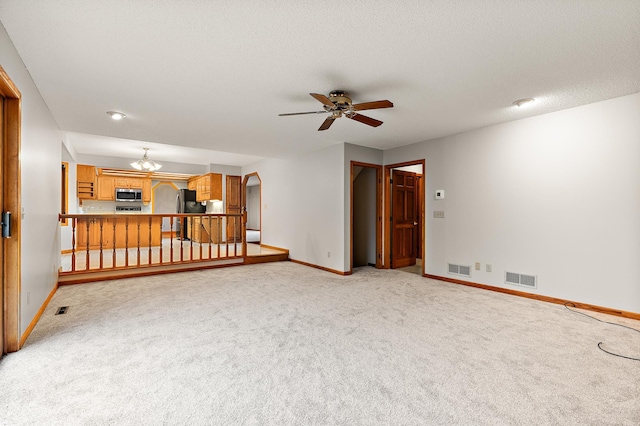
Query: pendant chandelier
146, 164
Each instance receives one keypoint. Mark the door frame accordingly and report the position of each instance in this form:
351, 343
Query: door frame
244, 198
387, 210
11, 184
378, 169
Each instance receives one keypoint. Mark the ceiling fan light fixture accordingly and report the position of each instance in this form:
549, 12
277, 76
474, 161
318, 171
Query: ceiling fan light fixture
145, 163
523, 102
116, 115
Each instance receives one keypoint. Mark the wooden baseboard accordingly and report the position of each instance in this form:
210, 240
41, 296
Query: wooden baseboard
35, 320
333, 271
274, 248
265, 258
68, 251
585, 306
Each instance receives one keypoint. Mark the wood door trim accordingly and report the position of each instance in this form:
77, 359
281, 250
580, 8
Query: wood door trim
378, 169
11, 199
387, 211
244, 197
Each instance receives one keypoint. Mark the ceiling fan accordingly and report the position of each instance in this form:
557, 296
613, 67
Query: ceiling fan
338, 104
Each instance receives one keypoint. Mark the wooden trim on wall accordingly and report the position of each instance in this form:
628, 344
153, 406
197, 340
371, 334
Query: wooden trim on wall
11, 198
153, 192
65, 193
35, 320
387, 210
579, 305
244, 199
311, 265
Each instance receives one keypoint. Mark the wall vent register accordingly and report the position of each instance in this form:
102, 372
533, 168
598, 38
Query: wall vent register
521, 279
460, 269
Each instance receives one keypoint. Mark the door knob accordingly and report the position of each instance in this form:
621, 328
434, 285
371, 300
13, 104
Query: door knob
415, 223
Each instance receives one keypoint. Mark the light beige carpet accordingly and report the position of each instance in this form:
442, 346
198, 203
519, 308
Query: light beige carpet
284, 344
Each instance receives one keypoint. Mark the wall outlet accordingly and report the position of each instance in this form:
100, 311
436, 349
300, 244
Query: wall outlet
488, 267
438, 214
328, 254
477, 266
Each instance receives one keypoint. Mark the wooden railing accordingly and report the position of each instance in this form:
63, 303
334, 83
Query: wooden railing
107, 242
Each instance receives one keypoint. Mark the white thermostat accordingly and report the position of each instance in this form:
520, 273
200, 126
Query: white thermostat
439, 194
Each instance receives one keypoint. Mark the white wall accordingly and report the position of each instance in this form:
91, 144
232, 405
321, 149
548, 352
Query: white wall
253, 207
557, 196
303, 205
40, 158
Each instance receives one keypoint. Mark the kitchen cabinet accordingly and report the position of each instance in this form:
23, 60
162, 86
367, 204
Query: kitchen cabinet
92, 231
192, 183
127, 231
130, 183
146, 191
135, 231
86, 182
106, 188
209, 187
206, 229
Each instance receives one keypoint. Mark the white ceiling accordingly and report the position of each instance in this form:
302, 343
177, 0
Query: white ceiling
214, 75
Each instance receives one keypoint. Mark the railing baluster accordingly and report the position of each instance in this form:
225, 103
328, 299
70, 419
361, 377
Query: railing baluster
138, 240
160, 230
87, 257
126, 242
183, 226
210, 237
150, 234
173, 223
113, 244
101, 261
74, 222
190, 228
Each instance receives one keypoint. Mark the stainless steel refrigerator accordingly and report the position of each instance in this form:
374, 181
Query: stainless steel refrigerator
186, 203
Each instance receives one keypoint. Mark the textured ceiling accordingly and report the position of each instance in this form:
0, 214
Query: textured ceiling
213, 75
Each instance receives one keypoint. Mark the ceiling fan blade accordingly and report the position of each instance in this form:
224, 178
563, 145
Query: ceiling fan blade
327, 123
302, 113
323, 99
365, 120
373, 105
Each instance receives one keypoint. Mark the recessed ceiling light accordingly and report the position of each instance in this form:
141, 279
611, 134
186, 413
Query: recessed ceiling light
523, 102
116, 115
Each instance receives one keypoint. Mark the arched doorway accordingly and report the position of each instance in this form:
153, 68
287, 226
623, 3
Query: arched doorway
252, 202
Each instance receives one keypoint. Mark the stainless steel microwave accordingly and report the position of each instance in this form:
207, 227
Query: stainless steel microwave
126, 194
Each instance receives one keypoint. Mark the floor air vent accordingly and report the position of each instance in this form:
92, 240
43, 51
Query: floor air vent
62, 310
460, 269
520, 279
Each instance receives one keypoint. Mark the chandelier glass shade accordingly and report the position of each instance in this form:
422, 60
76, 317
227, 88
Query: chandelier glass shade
145, 163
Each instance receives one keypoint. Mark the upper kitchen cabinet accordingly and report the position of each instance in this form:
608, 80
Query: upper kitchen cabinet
130, 183
209, 187
106, 188
86, 182
146, 191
